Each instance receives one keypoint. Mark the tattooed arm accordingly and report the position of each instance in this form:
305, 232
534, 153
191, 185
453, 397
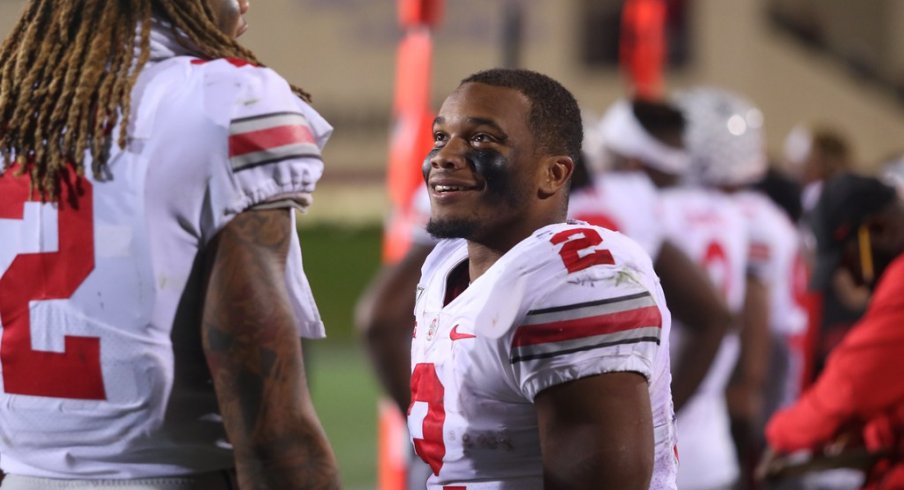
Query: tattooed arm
255, 358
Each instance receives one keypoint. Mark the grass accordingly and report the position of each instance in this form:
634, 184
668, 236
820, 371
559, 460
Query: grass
345, 396
339, 261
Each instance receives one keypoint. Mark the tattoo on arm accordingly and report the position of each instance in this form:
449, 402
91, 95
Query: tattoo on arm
255, 358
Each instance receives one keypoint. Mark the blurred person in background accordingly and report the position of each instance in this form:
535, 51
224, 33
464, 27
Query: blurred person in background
812, 154
384, 313
646, 140
628, 202
784, 191
725, 139
152, 297
854, 413
540, 352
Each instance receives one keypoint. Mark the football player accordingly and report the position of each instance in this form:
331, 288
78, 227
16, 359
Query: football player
646, 139
151, 289
628, 202
540, 352
725, 138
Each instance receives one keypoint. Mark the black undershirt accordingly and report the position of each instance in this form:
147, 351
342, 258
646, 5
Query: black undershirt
458, 280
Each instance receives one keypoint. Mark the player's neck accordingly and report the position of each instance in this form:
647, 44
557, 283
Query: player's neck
482, 254
481, 258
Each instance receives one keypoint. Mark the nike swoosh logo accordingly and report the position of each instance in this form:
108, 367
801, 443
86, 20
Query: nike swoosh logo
454, 334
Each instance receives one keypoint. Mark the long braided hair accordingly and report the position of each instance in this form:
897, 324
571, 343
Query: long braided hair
67, 72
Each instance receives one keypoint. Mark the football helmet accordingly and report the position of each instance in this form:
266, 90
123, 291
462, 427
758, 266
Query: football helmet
724, 136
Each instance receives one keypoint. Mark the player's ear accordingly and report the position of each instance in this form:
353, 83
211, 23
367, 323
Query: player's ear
556, 171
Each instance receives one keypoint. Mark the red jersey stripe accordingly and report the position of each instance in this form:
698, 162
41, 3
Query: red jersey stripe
578, 328
254, 141
236, 62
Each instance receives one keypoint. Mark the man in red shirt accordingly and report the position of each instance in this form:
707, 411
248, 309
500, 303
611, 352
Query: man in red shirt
859, 226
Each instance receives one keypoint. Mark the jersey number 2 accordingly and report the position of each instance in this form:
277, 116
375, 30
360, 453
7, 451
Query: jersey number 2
75, 372
577, 252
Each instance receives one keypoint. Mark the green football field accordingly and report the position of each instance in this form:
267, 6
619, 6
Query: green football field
338, 262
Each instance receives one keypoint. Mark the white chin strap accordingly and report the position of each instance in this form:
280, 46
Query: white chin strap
623, 134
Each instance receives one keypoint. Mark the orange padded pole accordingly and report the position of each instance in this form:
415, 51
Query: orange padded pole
410, 141
643, 44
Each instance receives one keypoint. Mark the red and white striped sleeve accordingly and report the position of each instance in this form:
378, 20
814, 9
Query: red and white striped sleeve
273, 139
563, 330
578, 328
270, 138
267, 153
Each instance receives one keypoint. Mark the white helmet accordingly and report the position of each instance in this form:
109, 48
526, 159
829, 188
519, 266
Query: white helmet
724, 136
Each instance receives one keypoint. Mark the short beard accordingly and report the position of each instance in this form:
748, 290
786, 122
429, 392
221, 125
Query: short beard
452, 228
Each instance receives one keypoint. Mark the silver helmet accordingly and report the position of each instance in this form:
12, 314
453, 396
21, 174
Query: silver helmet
724, 136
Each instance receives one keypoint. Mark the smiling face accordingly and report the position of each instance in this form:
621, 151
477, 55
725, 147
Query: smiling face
230, 15
486, 178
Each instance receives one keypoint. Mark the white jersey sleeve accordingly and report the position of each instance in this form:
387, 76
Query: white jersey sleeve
270, 153
776, 260
761, 222
602, 319
273, 139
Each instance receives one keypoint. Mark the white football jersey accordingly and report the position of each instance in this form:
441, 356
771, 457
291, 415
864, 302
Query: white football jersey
103, 374
710, 229
776, 259
570, 301
621, 201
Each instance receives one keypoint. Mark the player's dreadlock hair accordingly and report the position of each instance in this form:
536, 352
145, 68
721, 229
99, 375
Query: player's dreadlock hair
67, 72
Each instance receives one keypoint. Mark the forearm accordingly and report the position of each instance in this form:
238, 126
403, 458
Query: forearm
693, 301
277, 439
255, 359
694, 360
294, 457
746, 387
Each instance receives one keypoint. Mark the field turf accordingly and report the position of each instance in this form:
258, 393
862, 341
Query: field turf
339, 261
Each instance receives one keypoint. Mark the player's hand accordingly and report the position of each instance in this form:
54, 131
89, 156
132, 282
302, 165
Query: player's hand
768, 465
774, 465
839, 454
